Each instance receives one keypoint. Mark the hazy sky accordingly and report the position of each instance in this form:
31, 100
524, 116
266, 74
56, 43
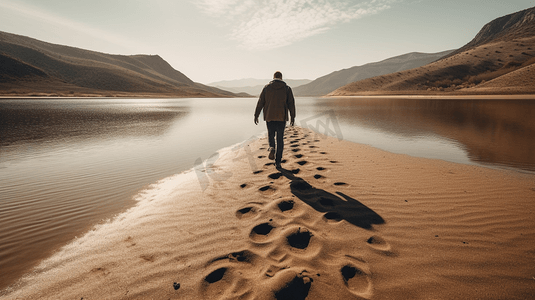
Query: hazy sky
213, 40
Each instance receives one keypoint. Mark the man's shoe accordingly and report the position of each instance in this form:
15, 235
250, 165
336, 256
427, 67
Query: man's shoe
271, 153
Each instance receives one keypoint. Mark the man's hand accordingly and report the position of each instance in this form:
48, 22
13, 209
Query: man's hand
256, 120
292, 122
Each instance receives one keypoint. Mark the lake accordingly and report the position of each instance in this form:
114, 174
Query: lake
68, 164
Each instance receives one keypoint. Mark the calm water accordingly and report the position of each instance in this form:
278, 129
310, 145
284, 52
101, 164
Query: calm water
66, 165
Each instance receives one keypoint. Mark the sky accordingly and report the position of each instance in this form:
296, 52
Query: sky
215, 40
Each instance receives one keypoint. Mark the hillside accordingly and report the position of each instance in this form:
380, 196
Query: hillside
334, 80
29, 67
253, 86
497, 61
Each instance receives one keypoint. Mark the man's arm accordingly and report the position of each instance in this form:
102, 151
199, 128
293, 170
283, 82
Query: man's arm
291, 106
259, 105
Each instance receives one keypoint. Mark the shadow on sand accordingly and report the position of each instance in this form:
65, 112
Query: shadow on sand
335, 208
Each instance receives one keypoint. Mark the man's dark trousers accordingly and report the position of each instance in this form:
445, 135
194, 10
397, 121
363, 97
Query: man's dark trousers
276, 127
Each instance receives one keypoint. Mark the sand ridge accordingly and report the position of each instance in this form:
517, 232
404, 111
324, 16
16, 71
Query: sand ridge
339, 221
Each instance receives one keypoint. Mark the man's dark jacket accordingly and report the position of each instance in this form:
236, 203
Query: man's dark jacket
276, 100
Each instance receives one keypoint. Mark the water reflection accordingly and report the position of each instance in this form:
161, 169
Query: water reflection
42, 123
68, 164
496, 132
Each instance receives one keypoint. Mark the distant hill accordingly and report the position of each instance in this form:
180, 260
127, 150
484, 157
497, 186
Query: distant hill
499, 60
334, 80
29, 67
253, 86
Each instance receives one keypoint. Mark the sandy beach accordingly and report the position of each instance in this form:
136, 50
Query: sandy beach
340, 221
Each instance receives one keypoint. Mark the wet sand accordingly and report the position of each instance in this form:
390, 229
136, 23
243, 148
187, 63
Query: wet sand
339, 221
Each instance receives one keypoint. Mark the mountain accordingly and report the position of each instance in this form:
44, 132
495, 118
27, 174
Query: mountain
253, 86
332, 81
36, 68
514, 26
499, 60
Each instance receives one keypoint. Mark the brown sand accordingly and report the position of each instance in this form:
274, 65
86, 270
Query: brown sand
353, 223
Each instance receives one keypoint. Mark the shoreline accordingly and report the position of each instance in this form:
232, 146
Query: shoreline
467, 96
118, 97
446, 97
186, 239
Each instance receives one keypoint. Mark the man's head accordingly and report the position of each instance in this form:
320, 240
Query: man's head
277, 75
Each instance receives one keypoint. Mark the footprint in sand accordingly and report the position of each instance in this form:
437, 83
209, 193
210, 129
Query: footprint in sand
298, 155
286, 205
260, 232
248, 211
299, 239
380, 244
296, 150
226, 270
356, 280
216, 275
267, 188
320, 168
302, 162
292, 285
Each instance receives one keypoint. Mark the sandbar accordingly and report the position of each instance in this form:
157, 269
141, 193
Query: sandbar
340, 220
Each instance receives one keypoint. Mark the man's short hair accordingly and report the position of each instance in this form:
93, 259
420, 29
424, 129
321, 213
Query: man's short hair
277, 75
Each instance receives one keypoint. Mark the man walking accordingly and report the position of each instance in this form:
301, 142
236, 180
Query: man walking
276, 100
